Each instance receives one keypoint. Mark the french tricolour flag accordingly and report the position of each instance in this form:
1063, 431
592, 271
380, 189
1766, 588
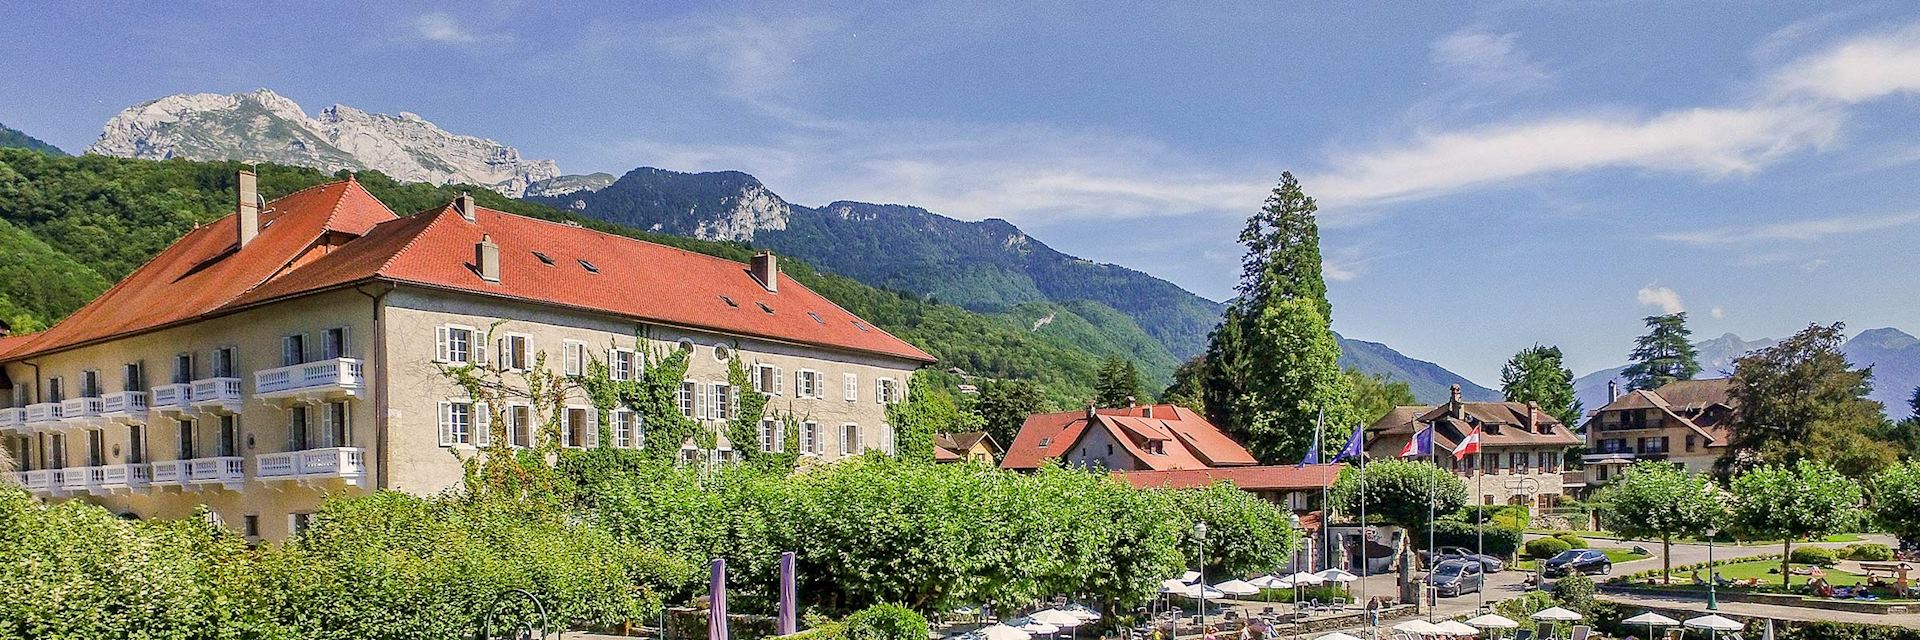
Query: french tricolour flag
1421, 444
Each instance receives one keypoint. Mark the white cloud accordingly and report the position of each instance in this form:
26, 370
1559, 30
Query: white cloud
1665, 299
1712, 143
757, 58
1857, 70
1718, 313
441, 27
1796, 230
1489, 59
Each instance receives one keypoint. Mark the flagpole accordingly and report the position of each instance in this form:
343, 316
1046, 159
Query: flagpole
1326, 510
1365, 539
1433, 483
1480, 530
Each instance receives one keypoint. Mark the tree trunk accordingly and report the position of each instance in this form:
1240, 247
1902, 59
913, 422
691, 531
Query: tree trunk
1666, 560
1786, 562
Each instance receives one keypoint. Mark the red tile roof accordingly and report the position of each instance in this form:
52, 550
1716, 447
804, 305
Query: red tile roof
1261, 478
1187, 440
435, 249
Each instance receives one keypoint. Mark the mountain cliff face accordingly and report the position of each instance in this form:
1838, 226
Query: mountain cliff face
262, 126
1893, 354
723, 205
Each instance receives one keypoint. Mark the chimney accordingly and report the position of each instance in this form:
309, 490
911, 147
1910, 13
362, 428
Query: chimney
1131, 403
1090, 411
1459, 411
249, 206
1613, 391
767, 270
1533, 417
464, 204
486, 256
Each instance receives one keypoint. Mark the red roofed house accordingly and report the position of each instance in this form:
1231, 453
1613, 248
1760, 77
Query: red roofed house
1150, 437
966, 446
1521, 447
1683, 422
291, 349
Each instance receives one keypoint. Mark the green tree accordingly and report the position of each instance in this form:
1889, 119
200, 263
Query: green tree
1539, 374
1245, 534
1410, 494
1800, 398
1906, 433
927, 411
1803, 500
1189, 385
1896, 499
1663, 355
1003, 406
1376, 394
1659, 500
1272, 363
1119, 384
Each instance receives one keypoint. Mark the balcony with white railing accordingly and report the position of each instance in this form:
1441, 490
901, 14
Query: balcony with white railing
124, 406
227, 471
318, 381
13, 419
174, 399
170, 473
81, 411
41, 481
344, 463
73, 479
43, 415
219, 395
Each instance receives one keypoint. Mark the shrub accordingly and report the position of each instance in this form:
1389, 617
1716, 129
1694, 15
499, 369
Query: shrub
1870, 552
886, 622
1544, 548
1574, 592
1573, 541
1497, 541
1814, 555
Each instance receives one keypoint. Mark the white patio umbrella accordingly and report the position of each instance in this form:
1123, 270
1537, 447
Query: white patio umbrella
999, 631
1237, 588
1171, 585
1189, 577
1304, 578
1555, 615
1714, 624
1085, 612
1336, 575
1652, 620
1456, 628
1271, 582
1057, 617
1418, 627
1493, 621
1035, 626
1336, 636
1196, 590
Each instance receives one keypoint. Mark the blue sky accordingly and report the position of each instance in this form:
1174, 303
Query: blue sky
1489, 177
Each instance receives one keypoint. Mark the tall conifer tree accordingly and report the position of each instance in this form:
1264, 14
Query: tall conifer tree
1663, 355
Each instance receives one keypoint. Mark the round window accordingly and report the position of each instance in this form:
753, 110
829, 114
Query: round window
722, 353
686, 344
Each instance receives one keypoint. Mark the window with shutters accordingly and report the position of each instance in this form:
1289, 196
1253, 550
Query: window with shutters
293, 349
886, 438
516, 352
225, 362
887, 391
622, 364
229, 436
850, 386
56, 389
90, 383
456, 344
684, 398
186, 451
133, 377
771, 438
766, 379
581, 427
809, 438
849, 439
519, 425
333, 343
574, 355
183, 368
338, 432
807, 384
721, 401
456, 423
136, 443
297, 429
96, 447
622, 430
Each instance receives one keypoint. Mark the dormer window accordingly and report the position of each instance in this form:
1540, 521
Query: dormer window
860, 325
1045, 441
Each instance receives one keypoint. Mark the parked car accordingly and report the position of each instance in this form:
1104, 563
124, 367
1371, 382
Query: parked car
1581, 560
1455, 577
1489, 564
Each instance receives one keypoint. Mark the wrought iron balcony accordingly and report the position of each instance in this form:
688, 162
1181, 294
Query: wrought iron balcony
345, 463
311, 382
218, 395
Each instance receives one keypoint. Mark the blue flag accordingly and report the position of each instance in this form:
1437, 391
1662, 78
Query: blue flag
1356, 445
1313, 453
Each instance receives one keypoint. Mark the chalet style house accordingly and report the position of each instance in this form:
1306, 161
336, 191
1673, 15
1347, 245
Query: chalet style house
1682, 422
966, 446
294, 349
1521, 447
1161, 437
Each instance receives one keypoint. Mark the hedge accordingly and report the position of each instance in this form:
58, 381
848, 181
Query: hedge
886, 622
1814, 555
1869, 552
1573, 541
1544, 548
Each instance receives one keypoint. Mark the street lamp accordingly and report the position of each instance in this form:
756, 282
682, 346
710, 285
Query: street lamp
1200, 534
1713, 602
1293, 522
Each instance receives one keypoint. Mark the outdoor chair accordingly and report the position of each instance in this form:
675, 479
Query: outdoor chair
1523, 634
1676, 634
1267, 611
1580, 632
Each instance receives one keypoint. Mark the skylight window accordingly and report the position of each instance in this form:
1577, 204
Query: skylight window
816, 317
543, 258
729, 302
860, 325
764, 307
588, 266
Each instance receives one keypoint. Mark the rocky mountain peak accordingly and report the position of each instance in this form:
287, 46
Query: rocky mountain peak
263, 126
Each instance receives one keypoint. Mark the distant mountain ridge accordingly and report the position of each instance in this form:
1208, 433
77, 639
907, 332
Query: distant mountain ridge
263, 126
17, 139
1893, 354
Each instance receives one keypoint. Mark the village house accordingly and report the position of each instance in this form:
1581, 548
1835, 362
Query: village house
1682, 422
1521, 447
966, 446
295, 349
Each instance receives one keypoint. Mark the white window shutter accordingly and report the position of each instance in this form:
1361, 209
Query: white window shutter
479, 343
733, 402
779, 381
346, 341
440, 346
593, 428
611, 353
639, 430
309, 347
482, 425
850, 386
446, 422
702, 407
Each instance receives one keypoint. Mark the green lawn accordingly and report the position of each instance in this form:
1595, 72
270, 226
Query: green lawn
1759, 569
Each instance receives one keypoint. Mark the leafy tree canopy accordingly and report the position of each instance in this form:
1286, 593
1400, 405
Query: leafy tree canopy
1659, 500
1119, 384
1003, 406
1374, 395
1805, 499
1539, 374
1397, 491
1801, 399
